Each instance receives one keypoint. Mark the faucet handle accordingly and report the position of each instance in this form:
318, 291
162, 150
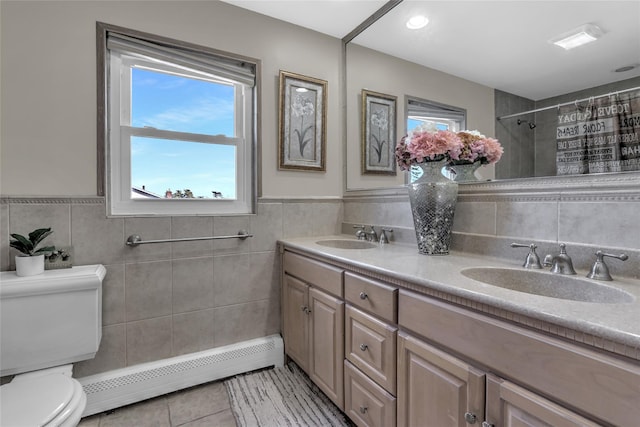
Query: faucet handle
532, 260
360, 233
600, 270
383, 235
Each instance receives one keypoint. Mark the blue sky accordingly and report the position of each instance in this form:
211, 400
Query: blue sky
182, 104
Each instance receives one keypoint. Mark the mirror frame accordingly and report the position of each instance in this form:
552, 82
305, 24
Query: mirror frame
622, 186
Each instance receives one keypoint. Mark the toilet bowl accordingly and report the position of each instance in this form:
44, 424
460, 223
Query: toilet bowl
50, 398
47, 322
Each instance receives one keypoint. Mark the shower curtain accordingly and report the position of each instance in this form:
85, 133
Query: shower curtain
601, 135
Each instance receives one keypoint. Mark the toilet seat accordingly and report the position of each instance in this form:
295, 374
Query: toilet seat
48, 400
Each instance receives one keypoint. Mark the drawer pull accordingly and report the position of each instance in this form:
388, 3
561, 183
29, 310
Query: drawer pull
305, 309
470, 418
363, 295
363, 347
363, 410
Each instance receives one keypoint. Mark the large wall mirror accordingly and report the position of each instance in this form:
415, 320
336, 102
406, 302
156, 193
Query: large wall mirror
497, 62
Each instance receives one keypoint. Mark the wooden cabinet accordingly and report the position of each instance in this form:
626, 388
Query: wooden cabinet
509, 405
313, 323
326, 344
435, 388
388, 355
365, 402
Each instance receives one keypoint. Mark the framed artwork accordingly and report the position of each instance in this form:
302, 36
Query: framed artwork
303, 122
378, 130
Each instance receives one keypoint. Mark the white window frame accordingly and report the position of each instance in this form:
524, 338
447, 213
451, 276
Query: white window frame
120, 132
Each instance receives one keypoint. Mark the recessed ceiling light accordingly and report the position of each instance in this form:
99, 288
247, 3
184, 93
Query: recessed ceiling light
417, 22
584, 34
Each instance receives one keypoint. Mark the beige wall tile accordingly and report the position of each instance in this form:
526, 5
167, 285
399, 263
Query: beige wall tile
527, 220
191, 226
111, 353
230, 226
232, 280
147, 290
96, 239
236, 323
148, 229
478, 218
265, 275
266, 227
113, 295
192, 284
600, 223
148, 340
305, 219
193, 331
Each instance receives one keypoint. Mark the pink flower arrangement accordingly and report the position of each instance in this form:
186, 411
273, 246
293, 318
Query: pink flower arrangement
477, 147
427, 146
467, 146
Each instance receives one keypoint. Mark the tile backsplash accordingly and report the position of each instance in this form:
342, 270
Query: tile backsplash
167, 299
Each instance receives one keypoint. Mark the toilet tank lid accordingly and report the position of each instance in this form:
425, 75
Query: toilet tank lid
74, 278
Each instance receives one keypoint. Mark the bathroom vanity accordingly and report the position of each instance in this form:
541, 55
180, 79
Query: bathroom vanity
398, 338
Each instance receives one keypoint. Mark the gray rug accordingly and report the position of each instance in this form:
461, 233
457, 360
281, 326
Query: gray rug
281, 397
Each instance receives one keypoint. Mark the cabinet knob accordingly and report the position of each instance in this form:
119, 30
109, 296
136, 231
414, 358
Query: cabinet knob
486, 424
470, 418
363, 347
363, 410
363, 295
305, 309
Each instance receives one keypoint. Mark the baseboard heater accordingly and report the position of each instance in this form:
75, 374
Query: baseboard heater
116, 388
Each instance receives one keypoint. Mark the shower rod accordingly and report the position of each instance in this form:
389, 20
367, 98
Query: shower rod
135, 239
567, 103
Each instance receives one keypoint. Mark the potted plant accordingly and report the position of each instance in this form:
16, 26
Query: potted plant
31, 262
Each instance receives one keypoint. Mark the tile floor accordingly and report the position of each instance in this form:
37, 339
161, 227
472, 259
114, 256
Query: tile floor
206, 405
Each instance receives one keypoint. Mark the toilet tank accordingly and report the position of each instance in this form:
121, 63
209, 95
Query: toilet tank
50, 319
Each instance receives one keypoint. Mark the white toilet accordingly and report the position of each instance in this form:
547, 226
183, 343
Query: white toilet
47, 322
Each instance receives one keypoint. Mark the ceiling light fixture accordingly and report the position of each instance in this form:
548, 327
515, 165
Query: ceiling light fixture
417, 22
584, 34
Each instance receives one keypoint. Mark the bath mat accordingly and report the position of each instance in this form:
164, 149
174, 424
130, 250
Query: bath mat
281, 397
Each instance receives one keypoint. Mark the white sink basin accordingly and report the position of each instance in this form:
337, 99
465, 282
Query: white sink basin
346, 244
549, 285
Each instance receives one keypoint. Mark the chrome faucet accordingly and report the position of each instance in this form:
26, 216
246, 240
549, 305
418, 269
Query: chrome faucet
561, 263
372, 236
383, 235
599, 270
360, 233
532, 260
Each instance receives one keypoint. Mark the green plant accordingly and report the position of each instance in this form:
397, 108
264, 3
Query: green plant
29, 246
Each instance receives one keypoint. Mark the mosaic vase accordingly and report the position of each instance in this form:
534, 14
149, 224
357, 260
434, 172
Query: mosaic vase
433, 203
465, 172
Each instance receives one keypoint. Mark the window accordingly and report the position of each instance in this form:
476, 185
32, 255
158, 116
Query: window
181, 123
421, 112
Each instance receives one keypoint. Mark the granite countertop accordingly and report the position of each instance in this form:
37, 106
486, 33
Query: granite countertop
613, 327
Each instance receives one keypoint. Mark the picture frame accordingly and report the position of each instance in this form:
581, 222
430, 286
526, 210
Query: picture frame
378, 132
302, 124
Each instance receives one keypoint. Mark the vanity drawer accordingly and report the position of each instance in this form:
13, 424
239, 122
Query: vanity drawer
314, 272
372, 295
366, 403
370, 344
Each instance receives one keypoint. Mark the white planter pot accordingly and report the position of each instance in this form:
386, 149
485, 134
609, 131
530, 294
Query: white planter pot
29, 265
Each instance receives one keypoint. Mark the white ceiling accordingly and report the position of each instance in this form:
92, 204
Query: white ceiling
500, 44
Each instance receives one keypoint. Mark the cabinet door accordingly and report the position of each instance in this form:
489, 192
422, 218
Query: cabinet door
436, 389
326, 347
509, 405
296, 319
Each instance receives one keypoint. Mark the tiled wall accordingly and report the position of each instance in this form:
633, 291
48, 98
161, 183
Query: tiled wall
168, 299
487, 224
